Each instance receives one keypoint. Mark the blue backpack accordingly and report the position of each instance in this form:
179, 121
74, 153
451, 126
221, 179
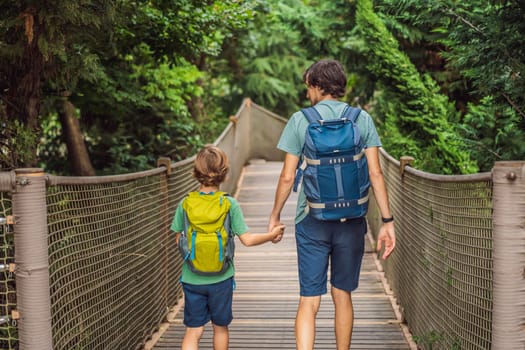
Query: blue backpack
334, 170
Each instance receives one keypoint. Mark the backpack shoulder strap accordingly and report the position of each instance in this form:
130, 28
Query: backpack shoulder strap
223, 194
185, 214
311, 114
352, 113
227, 220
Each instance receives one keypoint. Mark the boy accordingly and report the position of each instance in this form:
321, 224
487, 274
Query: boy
209, 297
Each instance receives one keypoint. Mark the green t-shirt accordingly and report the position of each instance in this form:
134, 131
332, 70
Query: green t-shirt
294, 133
238, 227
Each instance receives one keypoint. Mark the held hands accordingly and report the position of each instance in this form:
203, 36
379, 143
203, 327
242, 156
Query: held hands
277, 232
387, 239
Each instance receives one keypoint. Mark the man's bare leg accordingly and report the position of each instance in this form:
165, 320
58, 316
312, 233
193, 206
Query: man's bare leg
344, 318
305, 322
221, 337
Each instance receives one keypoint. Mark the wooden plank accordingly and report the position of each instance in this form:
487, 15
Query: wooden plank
267, 289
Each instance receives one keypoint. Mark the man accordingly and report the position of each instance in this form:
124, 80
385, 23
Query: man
320, 241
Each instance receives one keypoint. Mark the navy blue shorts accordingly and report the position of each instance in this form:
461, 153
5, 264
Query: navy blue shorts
320, 242
206, 302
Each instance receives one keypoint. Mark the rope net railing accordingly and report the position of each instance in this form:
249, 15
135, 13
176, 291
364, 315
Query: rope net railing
441, 272
8, 324
113, 266
113, 263
108, 257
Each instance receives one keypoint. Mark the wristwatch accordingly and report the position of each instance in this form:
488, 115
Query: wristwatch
390, 219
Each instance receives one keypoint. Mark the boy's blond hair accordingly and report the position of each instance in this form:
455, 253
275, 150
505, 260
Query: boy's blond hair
211, 166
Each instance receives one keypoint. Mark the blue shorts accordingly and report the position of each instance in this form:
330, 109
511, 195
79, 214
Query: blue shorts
206, 302
318, 242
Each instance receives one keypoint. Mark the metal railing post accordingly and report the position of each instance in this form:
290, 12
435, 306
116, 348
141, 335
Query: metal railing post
508, 316
31, 257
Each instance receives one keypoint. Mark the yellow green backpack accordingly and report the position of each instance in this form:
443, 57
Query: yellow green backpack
207, 242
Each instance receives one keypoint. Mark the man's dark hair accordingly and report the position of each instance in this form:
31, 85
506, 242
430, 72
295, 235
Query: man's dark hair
328, 75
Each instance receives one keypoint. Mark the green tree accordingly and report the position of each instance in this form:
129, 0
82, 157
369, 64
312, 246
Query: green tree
474, 50
418, 119
42, 47
265, 66
149, 101
86, 65
267, 59
113, 85
487, 45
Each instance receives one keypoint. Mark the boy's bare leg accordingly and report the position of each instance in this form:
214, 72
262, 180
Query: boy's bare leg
305, 322
344, 318
221, 337
192, 337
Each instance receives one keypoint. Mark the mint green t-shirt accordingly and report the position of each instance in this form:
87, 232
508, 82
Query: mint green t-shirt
238, 227
294, 134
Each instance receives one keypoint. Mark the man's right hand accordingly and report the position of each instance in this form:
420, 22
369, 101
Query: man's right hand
278, 232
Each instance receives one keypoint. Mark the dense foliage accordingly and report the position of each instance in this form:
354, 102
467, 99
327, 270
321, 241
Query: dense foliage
129, 76
421, 122
475, 51
109, 86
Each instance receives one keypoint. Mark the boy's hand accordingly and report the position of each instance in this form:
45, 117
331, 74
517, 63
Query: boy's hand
277, 232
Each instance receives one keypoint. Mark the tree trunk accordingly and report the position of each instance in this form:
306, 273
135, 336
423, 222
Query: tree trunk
76, 147
23, 97
195, 105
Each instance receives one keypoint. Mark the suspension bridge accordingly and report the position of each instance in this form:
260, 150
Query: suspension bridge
90, 262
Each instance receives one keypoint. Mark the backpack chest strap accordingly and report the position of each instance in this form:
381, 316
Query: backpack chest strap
338, 204
334, 160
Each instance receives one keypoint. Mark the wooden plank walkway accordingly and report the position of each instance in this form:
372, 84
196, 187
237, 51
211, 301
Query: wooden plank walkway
267, 293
